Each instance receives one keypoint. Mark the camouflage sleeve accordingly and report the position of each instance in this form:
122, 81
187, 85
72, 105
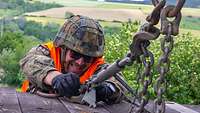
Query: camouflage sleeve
36, 64
120, 90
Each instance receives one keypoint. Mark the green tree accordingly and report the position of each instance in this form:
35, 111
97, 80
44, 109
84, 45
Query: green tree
12, 48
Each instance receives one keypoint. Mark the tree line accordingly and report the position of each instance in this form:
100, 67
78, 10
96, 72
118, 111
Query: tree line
20, 6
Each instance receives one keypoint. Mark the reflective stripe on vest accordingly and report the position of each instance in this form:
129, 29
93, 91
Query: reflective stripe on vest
55, 54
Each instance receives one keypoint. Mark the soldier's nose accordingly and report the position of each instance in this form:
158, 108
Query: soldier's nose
80, 61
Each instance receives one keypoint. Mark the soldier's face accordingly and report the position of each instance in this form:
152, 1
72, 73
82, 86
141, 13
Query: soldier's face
77, 63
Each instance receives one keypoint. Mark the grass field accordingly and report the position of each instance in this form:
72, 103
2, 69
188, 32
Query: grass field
45, 20
96, 13
191, 23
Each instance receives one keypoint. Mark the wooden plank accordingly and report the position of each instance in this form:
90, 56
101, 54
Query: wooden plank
150, 105
78, 108
194, 107
7, 90
8, 101
180, 108
12, 102
122, 107
31, 103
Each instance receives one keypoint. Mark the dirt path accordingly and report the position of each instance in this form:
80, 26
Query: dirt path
96, 13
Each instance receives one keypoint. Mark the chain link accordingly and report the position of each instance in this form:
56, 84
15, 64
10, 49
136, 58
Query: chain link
147, 32
138, 75
169, 29
139, 49
154, 17
163, 68
145, 79
177, 9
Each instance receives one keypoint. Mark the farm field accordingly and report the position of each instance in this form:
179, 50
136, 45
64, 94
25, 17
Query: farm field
96, 13
45, 20
195, 12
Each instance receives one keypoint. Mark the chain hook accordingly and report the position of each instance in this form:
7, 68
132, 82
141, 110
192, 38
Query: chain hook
155, 2
166, 23
139, 38
154, 17
177, 9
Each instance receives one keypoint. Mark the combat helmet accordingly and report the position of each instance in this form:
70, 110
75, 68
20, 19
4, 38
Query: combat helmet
83, 35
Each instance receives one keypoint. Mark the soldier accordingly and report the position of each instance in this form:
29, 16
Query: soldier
65, 64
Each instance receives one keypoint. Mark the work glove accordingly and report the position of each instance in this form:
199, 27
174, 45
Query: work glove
104, 92
66, 84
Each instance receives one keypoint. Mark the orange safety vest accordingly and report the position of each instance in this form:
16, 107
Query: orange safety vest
55, 55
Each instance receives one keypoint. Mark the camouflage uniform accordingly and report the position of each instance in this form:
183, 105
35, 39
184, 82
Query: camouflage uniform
37, 62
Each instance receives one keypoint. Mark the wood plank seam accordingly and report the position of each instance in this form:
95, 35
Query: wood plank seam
63, 104
20, 107
180, 108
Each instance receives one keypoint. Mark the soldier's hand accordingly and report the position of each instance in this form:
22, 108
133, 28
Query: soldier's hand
104, 92
66, 84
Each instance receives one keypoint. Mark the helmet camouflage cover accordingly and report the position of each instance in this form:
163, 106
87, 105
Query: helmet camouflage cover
83, 35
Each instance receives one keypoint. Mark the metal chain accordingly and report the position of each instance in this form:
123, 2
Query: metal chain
145, 79
138, 75
163, 68
169, 29
147, 32
139, 50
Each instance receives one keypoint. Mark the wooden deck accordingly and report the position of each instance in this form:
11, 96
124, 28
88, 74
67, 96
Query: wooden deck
15, 102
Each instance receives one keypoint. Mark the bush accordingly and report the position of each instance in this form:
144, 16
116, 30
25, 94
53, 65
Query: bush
184, 77
13, 47
42, 32
37, 6
117, 46
20, 6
